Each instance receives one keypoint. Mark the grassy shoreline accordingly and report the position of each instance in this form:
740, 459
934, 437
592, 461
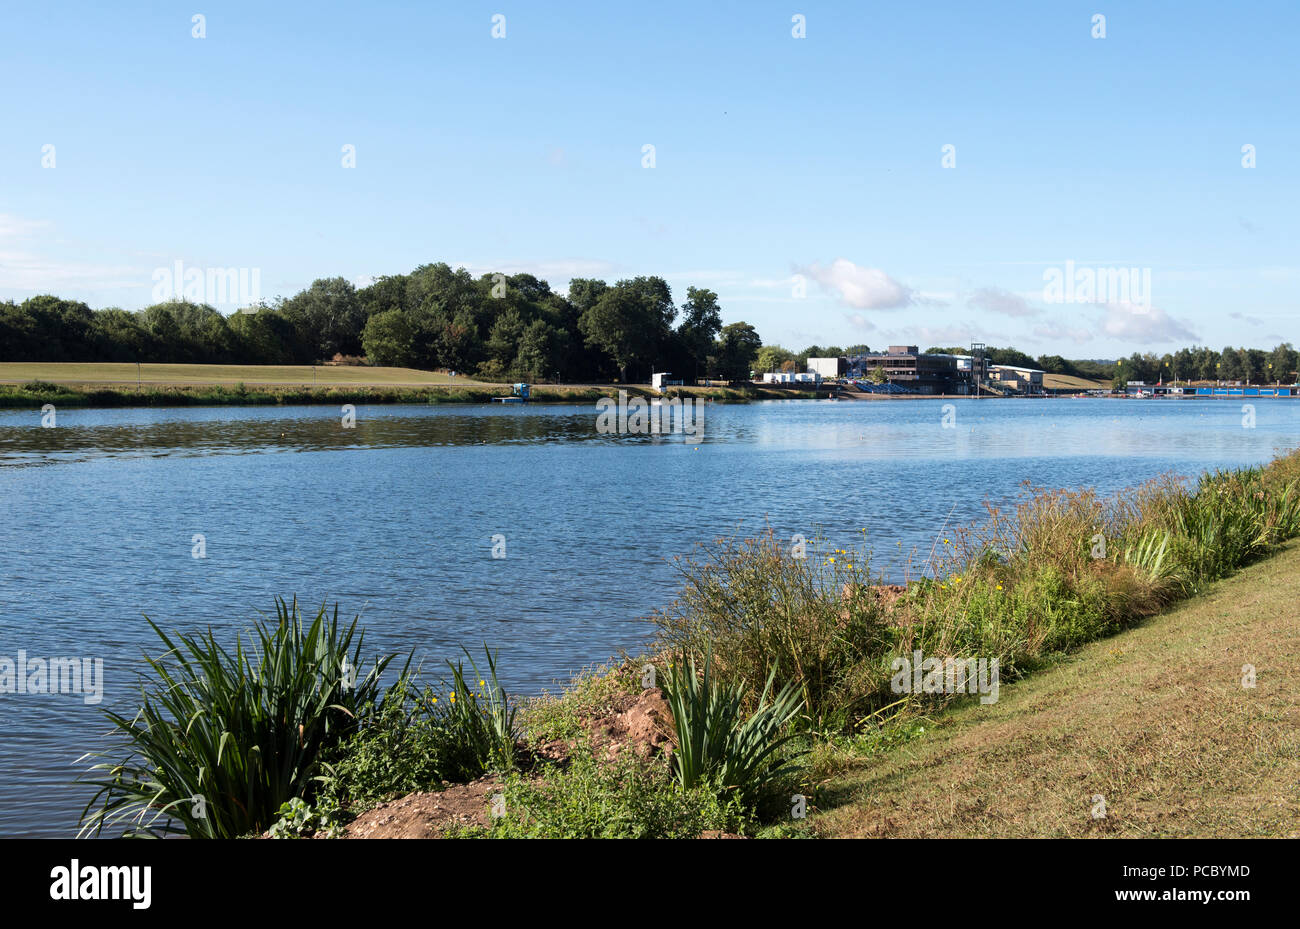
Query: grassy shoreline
33, 395
798, 691
1156, 721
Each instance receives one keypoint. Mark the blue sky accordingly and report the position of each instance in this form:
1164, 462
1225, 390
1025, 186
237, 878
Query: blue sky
802, 179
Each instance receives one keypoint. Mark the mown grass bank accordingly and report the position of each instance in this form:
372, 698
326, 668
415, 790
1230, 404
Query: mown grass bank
34, 394
1158, 723
778, 666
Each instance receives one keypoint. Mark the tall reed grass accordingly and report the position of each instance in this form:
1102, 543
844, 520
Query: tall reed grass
1059, 569
221, 738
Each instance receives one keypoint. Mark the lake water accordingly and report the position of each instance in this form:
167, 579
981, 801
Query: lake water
395, 519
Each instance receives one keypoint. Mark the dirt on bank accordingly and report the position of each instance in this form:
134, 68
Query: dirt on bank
639, 723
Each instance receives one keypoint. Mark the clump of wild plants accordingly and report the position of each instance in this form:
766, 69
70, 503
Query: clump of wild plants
717, 741
759, 610
626, 798
223, 739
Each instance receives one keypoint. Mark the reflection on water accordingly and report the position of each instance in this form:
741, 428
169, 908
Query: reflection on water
394, 519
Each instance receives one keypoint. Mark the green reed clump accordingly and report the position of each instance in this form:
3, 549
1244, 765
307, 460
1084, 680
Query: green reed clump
221, 740
479, 720
813, 621
717, 741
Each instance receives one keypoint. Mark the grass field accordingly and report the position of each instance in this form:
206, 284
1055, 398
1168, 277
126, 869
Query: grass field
199, 375
1155, 720
32, 385
1066, 382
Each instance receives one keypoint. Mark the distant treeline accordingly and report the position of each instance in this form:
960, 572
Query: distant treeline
499, 327
1198, 363
495, 327
1252, 365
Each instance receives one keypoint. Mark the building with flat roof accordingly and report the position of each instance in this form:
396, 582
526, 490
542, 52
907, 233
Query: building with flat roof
916, 371
829, 368
1014, 377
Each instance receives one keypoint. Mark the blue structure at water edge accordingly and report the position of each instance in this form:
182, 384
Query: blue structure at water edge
1247, 392
518, 394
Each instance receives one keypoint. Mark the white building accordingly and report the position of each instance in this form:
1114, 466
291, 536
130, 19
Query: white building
792, 377
827, 367
1029, 380
660, 379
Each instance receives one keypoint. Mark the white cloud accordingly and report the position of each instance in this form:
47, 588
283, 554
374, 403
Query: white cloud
997, 300
861, 288
1056, 332
25, 269
1144, 324
12, 226
948, 335
25, 272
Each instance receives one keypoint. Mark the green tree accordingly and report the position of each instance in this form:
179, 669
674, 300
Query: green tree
329, 317
458, 343
738, 347
388, 340
1230, 365
165, 341
772, 358
699, 327
629, 322
118, 336
1284, 360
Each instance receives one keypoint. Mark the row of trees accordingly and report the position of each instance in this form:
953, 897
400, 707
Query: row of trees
1198, 363
495, 327
1249, 365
